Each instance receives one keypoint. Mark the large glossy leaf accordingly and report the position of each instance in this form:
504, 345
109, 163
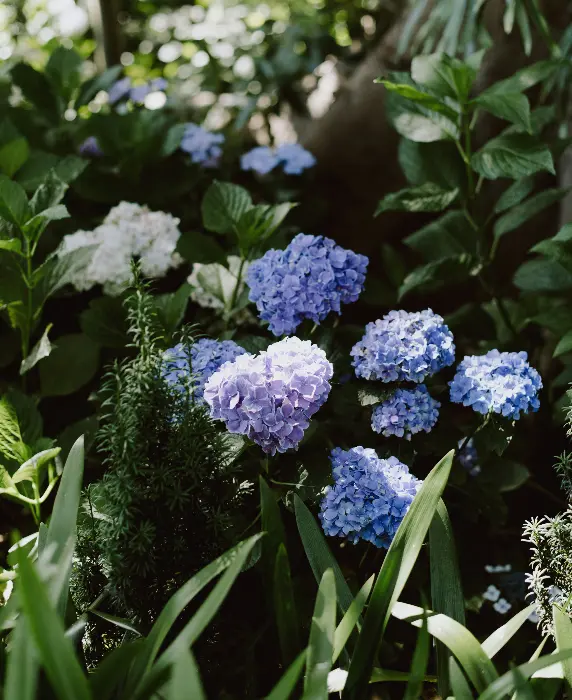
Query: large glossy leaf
526, 78
543, 276
527, 210
13, 155
418, 123
425, 198
443, 75
393, 575
512, 106
72, 364
436, 274
514, 194
446, 237
321, 643
223, 205
409, 92
512, 156
13, 202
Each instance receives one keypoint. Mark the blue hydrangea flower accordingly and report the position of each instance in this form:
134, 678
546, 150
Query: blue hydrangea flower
369, 498
190, 373
469, 458
120, 89
404, 346
294, 158
90, 148
271, 397
124, 88
261, 160
498, 382
308, 279
406, 412
203, 146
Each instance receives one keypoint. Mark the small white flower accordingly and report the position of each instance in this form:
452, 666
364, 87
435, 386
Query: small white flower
502, 606
337, 680
492, 593
8, 591
501, 569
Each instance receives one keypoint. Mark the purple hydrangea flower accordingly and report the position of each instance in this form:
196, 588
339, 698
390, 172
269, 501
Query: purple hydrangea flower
404, 346
468, 457
260, 159
119, 90
187, 368
271, 397
369, 498
406, 412
294, 158
308, 279
202, 145
498, 382
90, 148
124, 88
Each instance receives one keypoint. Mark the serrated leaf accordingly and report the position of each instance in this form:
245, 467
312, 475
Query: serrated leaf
412, 94
526, 78
436, 274
527, 210
446, 237
426, 198
543, 276
512, 156
431, 162
513, 107
514, 194
13, 155
49, 193
417, 123
10, 434
223, 205
259, 222
42, 349
443, 75
13, 202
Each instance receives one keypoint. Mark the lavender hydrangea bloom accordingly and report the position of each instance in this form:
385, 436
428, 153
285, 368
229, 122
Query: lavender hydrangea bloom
271, 397
294, 158
119, 90
498, 382
124, 88
406, 412
369, 498
90, 148
260, 159
189, 367
203, 146
468, 457
404, 346
308, 279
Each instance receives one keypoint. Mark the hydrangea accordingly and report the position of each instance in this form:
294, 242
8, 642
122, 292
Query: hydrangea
293, 157
190, 366
468, 457
404, 346
271, 397
124, 88
129, 230
90, 148
406, 412
498, 382
203, 146
308, 279
369, 498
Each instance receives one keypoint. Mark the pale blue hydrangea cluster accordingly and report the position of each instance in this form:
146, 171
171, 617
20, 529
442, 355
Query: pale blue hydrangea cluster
293, 158
270, 397
308, 279
406, 412
404, 346
498, 382
90, 148
124, 89
468, 457
188, 367
369, 498
203, 146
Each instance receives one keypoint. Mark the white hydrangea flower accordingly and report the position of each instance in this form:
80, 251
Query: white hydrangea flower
502, 606
492, 593
128, 231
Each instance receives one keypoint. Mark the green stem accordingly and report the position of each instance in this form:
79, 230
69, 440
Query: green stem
238, 281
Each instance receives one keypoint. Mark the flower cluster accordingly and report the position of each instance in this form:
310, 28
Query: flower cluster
293, 158
188, 367
404, 346
203, 146
498, 382
468, 457
369, 498
90, 148
124, 89
129, 230
406, 412
308, 279
270, 397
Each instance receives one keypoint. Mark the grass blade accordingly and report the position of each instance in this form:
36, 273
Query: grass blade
469, 653
563, 634
285, 607
522, 688
112, 671
446, 590
496, 641
22, 665
287, 684
271, 522
459, 684
349, 620
397, 566
321, 644
418, 664
55, 650
185, 680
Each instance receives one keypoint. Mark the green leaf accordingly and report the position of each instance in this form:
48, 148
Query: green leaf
446, 237
70, 168
526, 78
426, 198
110, 673
418, 664
351, 618
527, 210
563, 634
40, 350
223, 205
73, 362
13, 155
259, 222
271, 524
513, 156
395, 571
171, 308
412, 94
287, 684
522, 688
285, 607
13, 202
514, 194
438, 162
120, 622
543, 276
196, 247
417, 123
446, 591
564, 345
185, 678
469, 653
63, 71
22, 666
12, 245
10, 435
501, 636
99, 83
459, 684
436, 274
172, 140
31, 467
524, 26
321, 643
443, 75
105, 322
54, 648
319, 554
511, 106
48, 194
37, 90
370, 396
